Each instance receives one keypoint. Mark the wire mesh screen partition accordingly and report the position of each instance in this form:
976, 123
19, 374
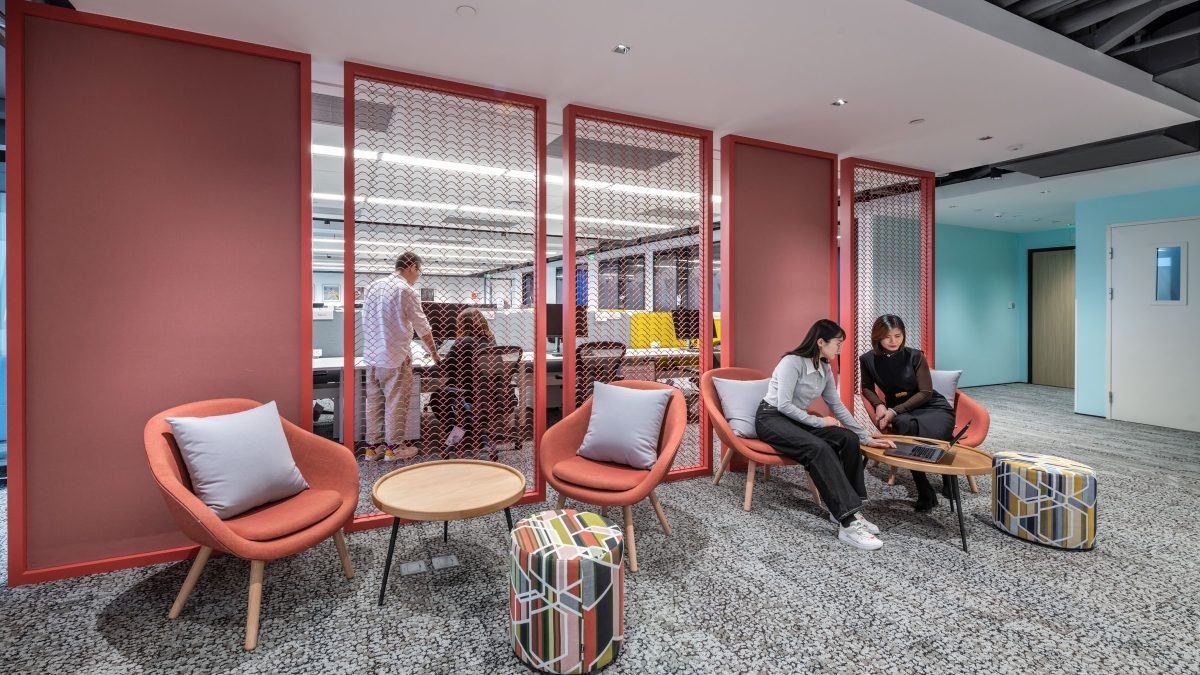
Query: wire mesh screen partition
886, 261
448, 172
638, 242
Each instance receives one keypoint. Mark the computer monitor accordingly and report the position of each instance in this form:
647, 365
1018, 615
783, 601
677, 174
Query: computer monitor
443, 319
687, 324
554, 321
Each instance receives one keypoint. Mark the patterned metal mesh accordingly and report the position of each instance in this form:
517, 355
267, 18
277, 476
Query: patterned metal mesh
451, 178
639, 270
893, 266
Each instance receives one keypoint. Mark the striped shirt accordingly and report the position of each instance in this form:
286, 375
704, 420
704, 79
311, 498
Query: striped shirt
391, 317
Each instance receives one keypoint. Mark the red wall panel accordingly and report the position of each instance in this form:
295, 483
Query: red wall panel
165, 237
777, 249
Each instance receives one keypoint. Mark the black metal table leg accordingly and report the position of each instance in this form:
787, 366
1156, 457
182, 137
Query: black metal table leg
387, 565
962, 528
508, 517
445, 531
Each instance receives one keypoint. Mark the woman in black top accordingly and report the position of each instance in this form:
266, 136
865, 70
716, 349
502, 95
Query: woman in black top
452, 403
910, 406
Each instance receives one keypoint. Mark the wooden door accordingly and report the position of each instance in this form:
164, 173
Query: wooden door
1052, 317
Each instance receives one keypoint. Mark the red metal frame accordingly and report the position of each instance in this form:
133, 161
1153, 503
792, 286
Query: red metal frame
728, 143
570, 114
849, 271
353, 71
16, 11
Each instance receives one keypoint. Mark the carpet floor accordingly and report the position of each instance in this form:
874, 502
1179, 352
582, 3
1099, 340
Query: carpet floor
770, 591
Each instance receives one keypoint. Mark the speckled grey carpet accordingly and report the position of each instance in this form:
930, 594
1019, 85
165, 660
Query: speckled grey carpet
767, 591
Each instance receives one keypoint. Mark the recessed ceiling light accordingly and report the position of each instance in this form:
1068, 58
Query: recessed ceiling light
1045, 192
621, 49
998, 214
952, 206
919, 120
1015, 148
465, 10
839, 103
985, 138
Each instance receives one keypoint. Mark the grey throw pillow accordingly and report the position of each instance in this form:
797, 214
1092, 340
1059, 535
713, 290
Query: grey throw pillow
739, 401
945, 382
238, 461
625, 425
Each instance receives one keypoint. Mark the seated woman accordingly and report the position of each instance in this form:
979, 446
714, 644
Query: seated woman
912, 407
452, 403
828, 447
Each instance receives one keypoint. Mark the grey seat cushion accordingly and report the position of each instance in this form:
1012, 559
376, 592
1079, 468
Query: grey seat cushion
739, 402
238, 461
625, 425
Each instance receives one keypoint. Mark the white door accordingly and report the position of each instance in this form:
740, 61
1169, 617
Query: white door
1154, 323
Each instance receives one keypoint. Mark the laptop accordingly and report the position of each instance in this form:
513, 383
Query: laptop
924, 453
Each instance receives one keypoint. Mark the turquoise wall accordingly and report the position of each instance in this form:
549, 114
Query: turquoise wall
1025, 243
1092, 218
975, 280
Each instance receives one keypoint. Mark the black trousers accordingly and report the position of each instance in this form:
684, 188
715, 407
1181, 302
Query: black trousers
926, 422
830, 454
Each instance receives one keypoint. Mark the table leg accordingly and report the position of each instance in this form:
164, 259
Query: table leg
962, 528
445, 531
508, 517
387, 565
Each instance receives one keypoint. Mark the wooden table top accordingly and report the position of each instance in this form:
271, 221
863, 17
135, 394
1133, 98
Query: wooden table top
962, 460
448, 489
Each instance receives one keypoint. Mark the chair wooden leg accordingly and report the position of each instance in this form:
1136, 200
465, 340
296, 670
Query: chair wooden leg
255, 604
812, 489
603, 511
766, 472
190, 582
751, 468
724, 466
562, 501
662, 517
971, 484
629, 544
339, 540
891, 479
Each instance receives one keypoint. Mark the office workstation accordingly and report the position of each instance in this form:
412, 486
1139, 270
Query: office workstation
547, 337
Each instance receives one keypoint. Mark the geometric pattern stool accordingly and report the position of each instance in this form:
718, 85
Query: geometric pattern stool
566, 591
1044, 499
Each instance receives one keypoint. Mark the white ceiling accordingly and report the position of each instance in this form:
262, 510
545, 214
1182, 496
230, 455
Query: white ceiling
1027, 204
767, 69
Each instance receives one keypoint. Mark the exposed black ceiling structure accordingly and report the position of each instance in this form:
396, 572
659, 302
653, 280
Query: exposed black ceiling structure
1161, 37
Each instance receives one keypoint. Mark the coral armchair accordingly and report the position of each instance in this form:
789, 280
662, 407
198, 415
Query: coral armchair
753, 450
603, 483
268, 532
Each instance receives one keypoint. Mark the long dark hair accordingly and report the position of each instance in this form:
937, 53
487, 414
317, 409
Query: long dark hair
823, 329
884, 325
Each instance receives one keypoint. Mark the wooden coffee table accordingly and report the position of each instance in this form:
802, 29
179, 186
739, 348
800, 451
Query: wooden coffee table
961, 460
445, 490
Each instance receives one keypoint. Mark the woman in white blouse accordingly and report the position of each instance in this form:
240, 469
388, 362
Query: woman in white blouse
828, 447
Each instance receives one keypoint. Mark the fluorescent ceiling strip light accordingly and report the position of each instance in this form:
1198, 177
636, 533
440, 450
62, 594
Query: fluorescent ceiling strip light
657, 192
439, 164
388, 201
523, 175
596, 184
456, 247
496, 212
335, 151
330, 197
435, 256
554, 180
629, 223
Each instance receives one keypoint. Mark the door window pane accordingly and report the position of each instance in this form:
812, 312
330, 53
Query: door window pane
1169, 270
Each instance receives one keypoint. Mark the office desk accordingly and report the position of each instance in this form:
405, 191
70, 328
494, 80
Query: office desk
641, 364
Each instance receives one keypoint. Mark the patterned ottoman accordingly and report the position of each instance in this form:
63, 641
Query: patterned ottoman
1044, 499
567, 591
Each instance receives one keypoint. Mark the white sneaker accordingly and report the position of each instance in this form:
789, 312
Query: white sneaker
399, 453
456, 436
871, 527
857, 536
374, 453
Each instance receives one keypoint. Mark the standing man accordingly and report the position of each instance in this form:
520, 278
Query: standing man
391, 317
